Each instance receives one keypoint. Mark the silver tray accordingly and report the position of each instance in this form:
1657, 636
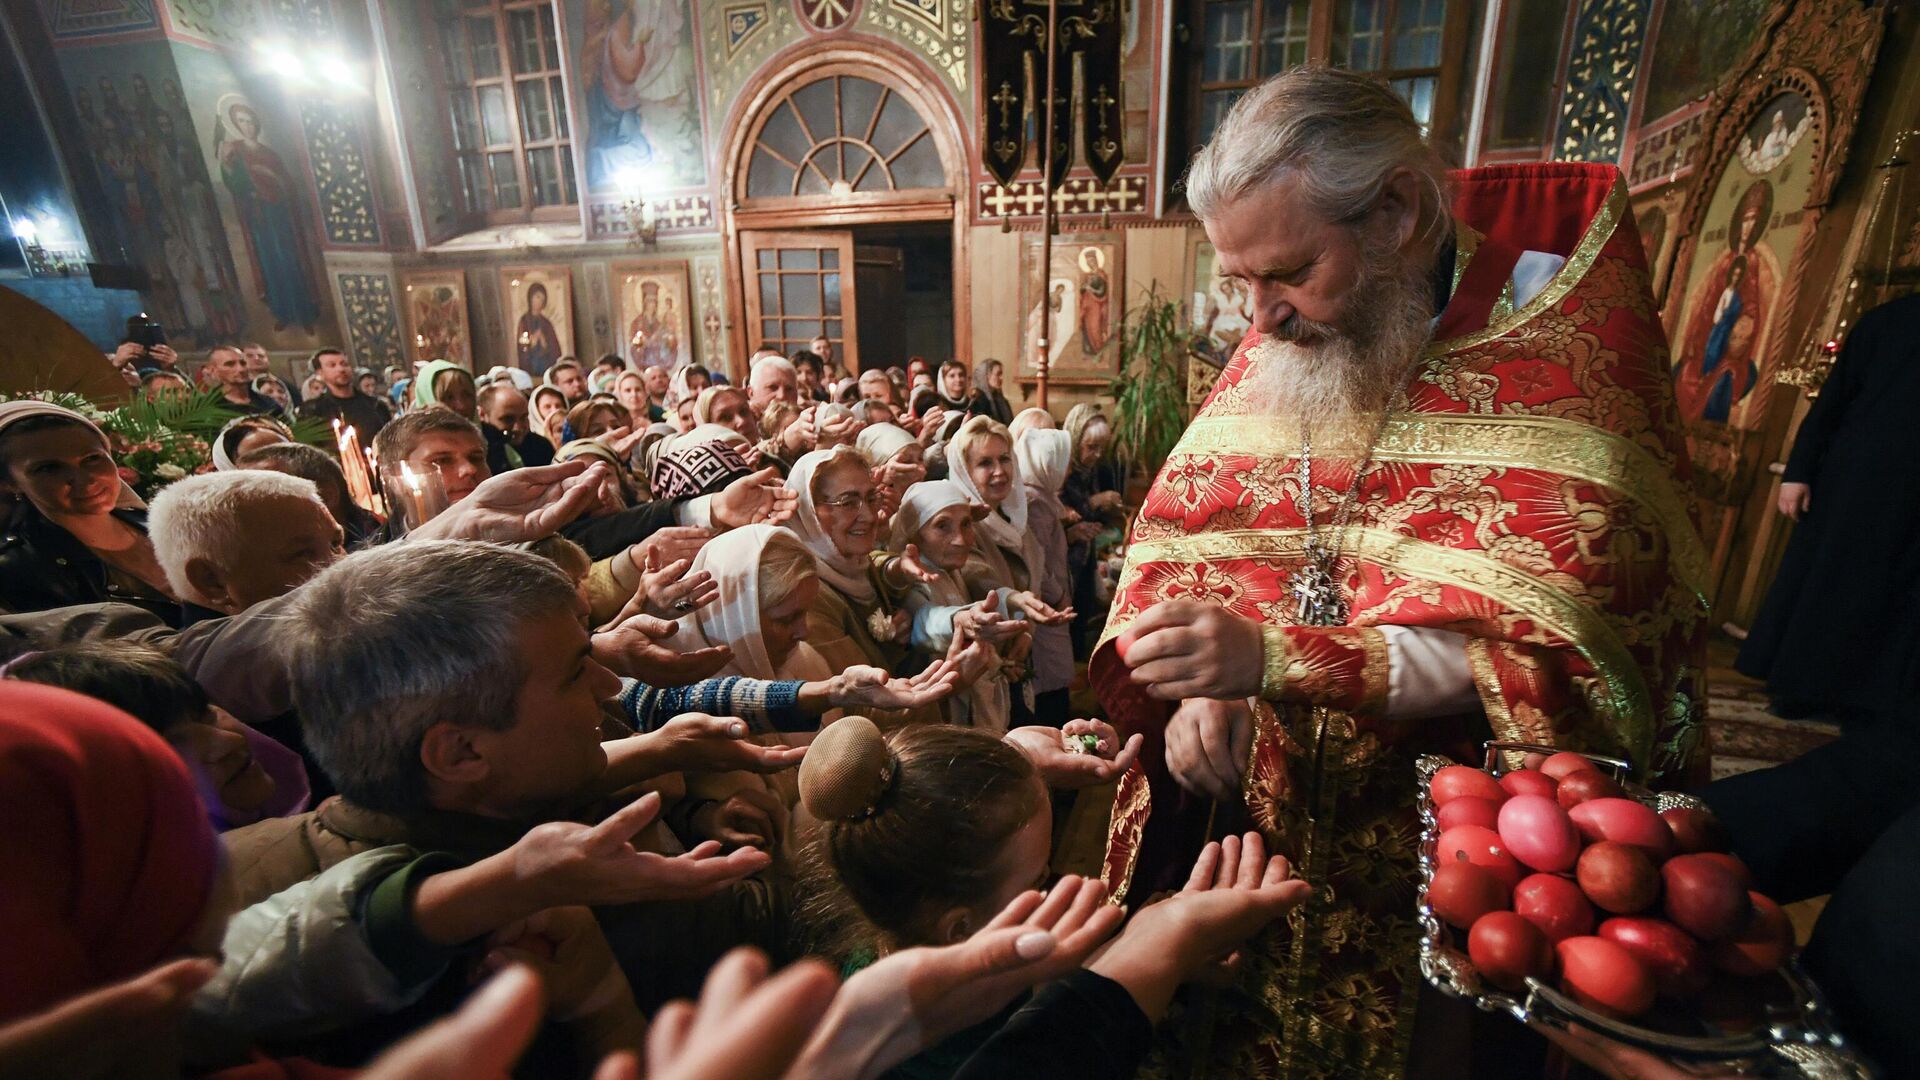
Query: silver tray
1797, 1039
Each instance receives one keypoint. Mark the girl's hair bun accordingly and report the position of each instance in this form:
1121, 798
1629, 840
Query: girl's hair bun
847, 770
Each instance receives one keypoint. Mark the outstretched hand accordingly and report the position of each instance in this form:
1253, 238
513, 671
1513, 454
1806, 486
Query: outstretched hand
754, 499
1235, 889
638, 648
874, 688
914, 998
697, 742
670, 591
746, 1027
1062, 768
110, 1032
565, 862
1039, 610
522, 505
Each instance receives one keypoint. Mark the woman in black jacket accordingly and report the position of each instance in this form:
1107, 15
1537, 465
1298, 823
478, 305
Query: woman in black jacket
70, 537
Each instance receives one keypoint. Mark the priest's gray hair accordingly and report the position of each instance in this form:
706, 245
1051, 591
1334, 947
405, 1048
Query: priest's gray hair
1336, 135
199, 517
389, 642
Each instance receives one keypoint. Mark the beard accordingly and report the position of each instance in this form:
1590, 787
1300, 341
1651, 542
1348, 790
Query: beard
1324, 372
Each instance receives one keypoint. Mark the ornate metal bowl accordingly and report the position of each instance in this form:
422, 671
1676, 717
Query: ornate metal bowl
1797, 1039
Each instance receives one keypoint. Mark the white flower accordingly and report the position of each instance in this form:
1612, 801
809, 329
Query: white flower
167, 470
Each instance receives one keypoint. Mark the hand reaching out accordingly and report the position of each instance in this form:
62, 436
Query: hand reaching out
753, 499
671, 592
1234, 891
565, 862
1207, 746
525, 504
1039, 610
696, 742
637, 647
1065, 770
910, 567
113, 1031
914, 998
746, 1027
874, 688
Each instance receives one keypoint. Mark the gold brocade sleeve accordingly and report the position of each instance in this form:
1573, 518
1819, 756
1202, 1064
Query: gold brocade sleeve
1341, 667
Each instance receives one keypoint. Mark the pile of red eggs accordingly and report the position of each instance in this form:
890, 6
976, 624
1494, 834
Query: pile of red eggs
1553, 868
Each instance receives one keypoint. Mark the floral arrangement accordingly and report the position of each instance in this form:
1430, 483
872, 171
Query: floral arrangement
153, 442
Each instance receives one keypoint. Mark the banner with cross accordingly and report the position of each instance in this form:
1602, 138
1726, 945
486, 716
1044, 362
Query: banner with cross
1085, 97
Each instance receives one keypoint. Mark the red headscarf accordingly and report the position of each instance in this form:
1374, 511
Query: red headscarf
107, 859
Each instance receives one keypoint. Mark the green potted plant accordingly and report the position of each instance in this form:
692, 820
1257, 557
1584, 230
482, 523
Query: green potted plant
1150, 394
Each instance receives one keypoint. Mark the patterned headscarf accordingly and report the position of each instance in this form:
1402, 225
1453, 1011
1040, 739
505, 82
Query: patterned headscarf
690, 466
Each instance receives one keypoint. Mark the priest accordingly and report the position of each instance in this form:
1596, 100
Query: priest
1438, 496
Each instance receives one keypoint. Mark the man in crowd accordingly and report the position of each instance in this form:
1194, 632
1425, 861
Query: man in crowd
511, 443
875, 384
1299, 643
228, 540
772, 378
436, 440
314, 464
227, 366
260, 363
343, 400
607, 369
567, 378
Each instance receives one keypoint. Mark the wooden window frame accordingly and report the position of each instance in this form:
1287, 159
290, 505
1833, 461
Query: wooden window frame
562, 130
1189, 56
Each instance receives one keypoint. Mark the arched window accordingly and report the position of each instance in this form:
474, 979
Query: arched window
842, 135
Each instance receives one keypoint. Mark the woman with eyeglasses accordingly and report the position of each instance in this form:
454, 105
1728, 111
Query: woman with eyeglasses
854, 619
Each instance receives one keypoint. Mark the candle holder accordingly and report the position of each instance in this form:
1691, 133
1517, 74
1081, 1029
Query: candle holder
418, 497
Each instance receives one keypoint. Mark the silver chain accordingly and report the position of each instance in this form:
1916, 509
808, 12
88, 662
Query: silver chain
1319, 599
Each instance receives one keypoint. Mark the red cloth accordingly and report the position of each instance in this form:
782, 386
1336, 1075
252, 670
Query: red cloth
106, 861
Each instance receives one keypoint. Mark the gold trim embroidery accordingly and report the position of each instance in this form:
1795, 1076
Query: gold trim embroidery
1599, 231
1543, 443
1275, 656
1625, 700
1138, 796
1466, 241
1493, 698
1376, 674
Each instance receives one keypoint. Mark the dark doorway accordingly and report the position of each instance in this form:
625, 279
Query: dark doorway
903, 275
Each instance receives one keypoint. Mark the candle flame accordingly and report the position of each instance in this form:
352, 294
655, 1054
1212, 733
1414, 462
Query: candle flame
412, 478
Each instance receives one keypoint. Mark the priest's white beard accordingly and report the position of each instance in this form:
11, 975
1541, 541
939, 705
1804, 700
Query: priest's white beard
1323, 373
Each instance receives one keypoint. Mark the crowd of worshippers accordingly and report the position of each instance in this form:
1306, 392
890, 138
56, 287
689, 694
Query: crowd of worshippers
777, 684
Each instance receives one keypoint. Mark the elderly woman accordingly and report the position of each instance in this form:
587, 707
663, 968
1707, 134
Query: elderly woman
936, 520
593, 418
1092, 493
443, 383
897, 459
1043, 454
242, 436
76, 534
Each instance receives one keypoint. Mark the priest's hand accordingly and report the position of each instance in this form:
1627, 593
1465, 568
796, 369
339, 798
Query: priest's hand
1207, 746
1796, 499
1184, 649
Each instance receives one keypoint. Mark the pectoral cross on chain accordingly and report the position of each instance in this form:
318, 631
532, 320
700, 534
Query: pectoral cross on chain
1317, 597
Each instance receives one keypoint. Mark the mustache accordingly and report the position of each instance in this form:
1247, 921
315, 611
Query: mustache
1300, 330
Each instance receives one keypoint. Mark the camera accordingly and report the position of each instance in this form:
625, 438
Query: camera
145, 331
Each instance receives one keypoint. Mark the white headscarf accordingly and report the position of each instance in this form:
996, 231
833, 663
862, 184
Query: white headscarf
985, 704
1044, 455
223, 460
879, 442
846, 573
1006, 530
733, 558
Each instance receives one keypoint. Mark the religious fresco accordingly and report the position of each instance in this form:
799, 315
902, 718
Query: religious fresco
1752, 226
373, 327
1220, 308
539, 309
1079, 307
654, 313
270, 205
639, 86
435, 307
1695, 46
140, 133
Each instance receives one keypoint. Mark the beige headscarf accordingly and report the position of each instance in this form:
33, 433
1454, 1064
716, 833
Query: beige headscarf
1044, 455
879, 442
1006, 530
733, 558
846, 573
988, 702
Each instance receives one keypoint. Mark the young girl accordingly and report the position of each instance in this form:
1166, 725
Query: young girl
923, 836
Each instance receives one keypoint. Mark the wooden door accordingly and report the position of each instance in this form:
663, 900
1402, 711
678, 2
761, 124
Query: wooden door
799, 286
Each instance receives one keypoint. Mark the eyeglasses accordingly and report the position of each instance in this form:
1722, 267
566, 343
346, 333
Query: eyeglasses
875, 501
